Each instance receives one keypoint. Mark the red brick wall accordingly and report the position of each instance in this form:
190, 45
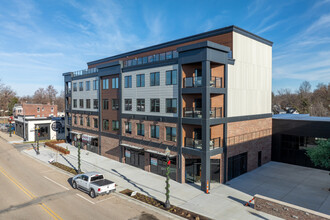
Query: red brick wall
45, 110
91, 117
110, 148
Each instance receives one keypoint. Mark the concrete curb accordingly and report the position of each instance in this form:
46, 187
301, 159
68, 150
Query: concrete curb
146, 205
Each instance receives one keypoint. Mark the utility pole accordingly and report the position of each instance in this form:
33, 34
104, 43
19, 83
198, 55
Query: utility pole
78, 142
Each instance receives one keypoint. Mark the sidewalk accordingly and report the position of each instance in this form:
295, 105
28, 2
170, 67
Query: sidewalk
223, 202
13, 139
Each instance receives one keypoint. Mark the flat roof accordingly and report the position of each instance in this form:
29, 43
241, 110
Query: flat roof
219, 31
301, 117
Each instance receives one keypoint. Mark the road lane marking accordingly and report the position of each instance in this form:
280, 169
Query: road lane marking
103, 200
85, 198
56, 183
28, 193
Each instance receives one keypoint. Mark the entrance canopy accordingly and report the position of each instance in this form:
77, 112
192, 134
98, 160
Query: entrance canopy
132, 147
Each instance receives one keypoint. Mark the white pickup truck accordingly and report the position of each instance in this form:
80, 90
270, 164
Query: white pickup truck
93, 183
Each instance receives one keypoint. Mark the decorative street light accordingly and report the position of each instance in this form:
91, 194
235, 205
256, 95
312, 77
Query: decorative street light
78, 142
37, 135
167, 202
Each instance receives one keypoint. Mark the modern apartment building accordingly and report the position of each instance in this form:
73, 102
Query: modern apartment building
207, 98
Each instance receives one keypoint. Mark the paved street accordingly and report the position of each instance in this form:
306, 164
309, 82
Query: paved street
33, 190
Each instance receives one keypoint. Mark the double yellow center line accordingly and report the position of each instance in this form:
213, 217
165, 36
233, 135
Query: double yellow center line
29, 194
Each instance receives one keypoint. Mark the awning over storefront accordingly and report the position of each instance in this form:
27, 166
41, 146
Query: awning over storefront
158, 153
132, 147
87, 138
74, 132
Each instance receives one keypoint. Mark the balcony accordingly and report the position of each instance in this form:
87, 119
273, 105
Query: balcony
197, 144
193, 143
85, 72
190, 112
216, 82
191, 82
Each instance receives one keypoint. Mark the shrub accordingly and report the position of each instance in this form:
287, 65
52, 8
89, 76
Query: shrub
53, 144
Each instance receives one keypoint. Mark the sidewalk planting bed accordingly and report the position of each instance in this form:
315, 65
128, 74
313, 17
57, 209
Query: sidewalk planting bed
174, 209
65, 168
53, 144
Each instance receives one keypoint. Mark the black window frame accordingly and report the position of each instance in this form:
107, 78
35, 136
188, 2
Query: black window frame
171, 136
155, 79
96, 122
75, 89
115, 83
128, 81
140, 105
88, 103
105, 125
140, 129
75, 103
170, 108
88, 85
128, 104
95, 84
139, 80
105, 83
115, 125
172, 80
81, 86
128, 127
105, 104
153, 105
95, 104
153, 132
115, 104
81, 103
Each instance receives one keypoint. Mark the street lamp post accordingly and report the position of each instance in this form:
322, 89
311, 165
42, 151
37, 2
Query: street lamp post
78, 142
37, 136
9, 127
167, 202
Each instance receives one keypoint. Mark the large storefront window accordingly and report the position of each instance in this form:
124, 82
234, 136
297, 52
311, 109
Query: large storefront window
134, 158
158, 165
194, 170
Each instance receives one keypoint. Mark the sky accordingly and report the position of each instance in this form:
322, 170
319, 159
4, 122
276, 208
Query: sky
40, 40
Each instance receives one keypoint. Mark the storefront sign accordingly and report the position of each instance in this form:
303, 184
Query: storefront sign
153, 161
86, 138
127, 153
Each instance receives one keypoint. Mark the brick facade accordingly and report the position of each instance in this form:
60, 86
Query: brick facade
110, 148
38, 110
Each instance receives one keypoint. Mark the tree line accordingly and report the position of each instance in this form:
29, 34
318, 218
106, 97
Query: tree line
304, 100
8, 98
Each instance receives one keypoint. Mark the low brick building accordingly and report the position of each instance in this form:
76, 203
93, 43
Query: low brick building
36, 110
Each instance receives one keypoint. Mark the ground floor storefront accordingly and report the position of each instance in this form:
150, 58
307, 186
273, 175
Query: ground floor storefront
86, 141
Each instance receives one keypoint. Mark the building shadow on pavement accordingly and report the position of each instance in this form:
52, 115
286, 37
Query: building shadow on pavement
69, 163
132, 183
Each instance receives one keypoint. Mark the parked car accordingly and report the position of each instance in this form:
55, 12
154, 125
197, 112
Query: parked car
93, 183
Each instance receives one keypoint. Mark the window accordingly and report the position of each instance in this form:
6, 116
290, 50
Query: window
95, 84
81, 103
162, 56
128, 104
170, 134
140, 105
175, 54
75, 120
96, 123
140, 80
52, 109
154, 105
140, 129
134, 62
154, 79
171, 77
115, 125
145, 60
88, 103
38, 109
75, 87
115, 83
154, 131
81, 120
128, 81
105, 124
105, 83
128, 127
150, 59
88, 121
139, 60
88, 85
171, 106
169, 55
42, 109
156, 57
75, 103
115, 104
105, 104
81, 86
95, 103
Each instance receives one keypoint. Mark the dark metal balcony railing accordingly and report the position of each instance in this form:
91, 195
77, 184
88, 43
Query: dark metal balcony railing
189, 82
197, 144
216, 82
194, 143
216, 112
190, 112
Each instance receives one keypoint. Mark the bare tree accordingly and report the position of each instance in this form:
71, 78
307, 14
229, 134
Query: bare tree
51, 93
